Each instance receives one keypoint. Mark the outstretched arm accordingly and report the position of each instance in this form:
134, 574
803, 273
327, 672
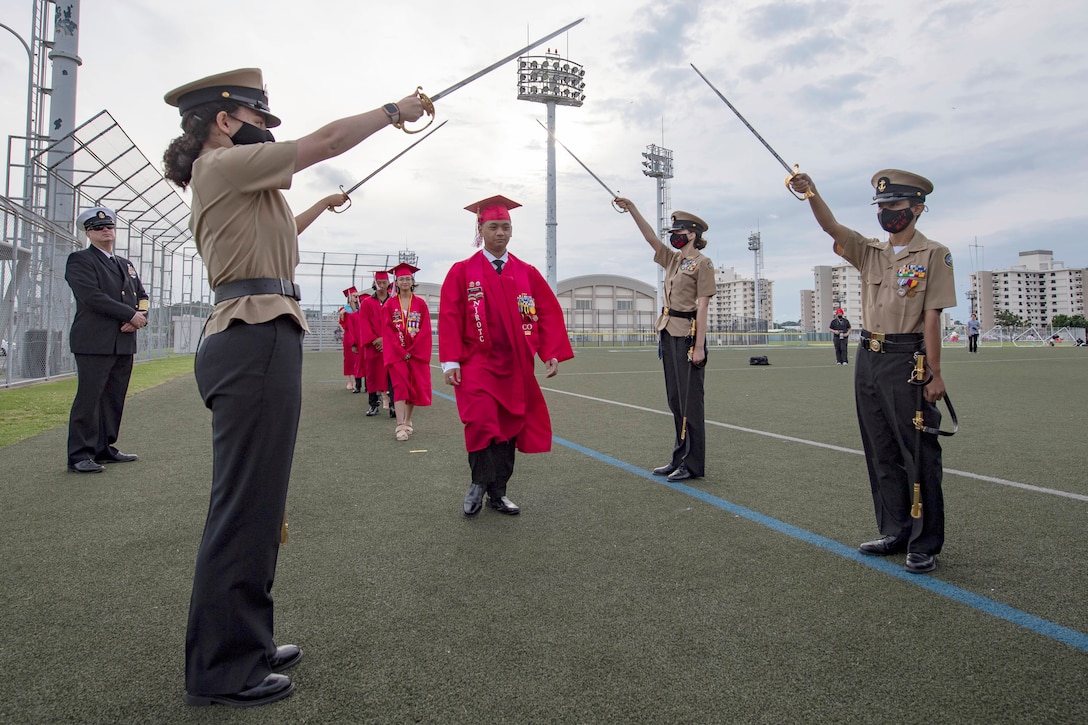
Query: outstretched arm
802, 183
648, 231
307, 217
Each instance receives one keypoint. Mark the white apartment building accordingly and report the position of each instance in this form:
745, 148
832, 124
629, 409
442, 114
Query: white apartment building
834, 287
1036, 290
734, 305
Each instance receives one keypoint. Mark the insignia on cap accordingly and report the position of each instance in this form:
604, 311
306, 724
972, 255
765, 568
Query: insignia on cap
882, 184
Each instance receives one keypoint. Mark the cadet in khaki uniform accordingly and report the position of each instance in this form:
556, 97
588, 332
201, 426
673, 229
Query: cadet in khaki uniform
906, 282
249, 364
689, 285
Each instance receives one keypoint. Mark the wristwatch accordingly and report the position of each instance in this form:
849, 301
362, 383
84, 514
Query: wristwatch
393, 111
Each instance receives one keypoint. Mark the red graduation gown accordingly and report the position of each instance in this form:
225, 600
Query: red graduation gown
353, 361
400, 337
371, 328
493, 325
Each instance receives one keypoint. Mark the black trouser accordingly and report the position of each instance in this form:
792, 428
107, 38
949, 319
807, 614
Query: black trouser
842, 347
886, 403
684, 389
95, 420
493, 466
972, 343
250, 376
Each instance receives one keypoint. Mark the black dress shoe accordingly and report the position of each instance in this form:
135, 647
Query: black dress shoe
680, 474
371, 411
504, 505
117, 457
664, 470
272, 688
392, 413
85, 466
474, 499
918, 563
286, 657
884, 546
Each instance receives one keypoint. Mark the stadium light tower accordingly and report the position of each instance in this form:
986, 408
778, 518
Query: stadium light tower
756, 245
658, 165
553, 81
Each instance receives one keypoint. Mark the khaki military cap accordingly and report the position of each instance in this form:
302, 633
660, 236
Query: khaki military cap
685, 220
244, 86
896, 185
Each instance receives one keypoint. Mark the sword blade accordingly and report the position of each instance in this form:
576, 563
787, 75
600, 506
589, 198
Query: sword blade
505, 60
588, 170
418, 141
787, 167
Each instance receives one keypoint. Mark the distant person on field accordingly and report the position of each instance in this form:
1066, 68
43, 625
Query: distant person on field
840, 333
973, 327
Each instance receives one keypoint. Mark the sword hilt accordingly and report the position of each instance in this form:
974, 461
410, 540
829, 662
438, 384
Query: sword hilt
617, 207
801, 197
337, 210
916, 507
428, 108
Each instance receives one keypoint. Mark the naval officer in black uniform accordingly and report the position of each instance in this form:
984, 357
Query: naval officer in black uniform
111, 305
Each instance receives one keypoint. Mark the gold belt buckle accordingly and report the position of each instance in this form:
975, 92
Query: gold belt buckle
876, 342
665, 310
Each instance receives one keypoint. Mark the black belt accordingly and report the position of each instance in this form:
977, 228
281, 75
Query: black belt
261, 286
879, 342
678, 313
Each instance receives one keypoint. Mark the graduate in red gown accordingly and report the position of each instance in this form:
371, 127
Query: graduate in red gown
406, 345
353, 353
496, 314
377, 380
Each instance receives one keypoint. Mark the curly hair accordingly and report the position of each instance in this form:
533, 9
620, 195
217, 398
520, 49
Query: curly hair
700, 243
183, 151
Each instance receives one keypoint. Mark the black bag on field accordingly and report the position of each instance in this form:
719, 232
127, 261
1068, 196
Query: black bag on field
759, 360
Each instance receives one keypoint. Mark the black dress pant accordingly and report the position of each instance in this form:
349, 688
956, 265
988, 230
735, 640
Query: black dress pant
842, 346
250, 376
684, 389
493, 466
886, 403
95, 419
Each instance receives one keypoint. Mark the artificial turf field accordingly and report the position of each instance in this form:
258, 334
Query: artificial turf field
614, 596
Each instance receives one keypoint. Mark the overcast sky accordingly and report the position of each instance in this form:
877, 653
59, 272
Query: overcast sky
985, 98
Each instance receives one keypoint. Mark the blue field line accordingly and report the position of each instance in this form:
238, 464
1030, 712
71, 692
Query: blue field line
1030, 622
1046, 628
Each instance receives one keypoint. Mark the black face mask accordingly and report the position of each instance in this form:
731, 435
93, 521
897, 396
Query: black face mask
895, 221
678, 240
249, 133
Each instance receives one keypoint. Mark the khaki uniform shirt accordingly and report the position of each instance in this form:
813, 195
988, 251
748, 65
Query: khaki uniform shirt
889, 304
244, 228
686, 280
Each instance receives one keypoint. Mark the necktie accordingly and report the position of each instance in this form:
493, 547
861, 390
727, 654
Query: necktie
498, 266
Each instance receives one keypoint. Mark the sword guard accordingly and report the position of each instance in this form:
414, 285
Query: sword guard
337, 210
428, 108
617, 207
801, 197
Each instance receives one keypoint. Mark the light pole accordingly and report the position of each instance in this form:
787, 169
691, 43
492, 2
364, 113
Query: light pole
553, 81
755, 245
658, 165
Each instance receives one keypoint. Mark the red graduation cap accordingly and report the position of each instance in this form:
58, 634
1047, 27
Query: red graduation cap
403, 270
380, 275
495, 207
350, 290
